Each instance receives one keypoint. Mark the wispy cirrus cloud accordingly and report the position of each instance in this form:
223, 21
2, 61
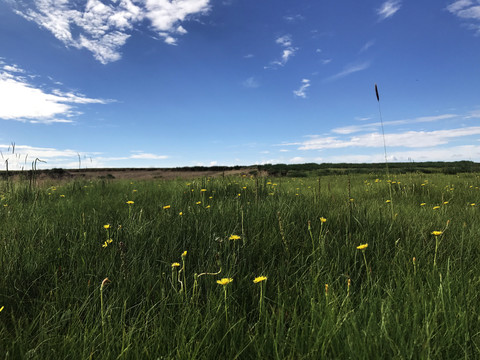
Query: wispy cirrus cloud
367, 46
22, 100
301, 91
293, 18
388, 9
467, 10
349, 69
345, 130
104, 28
251, 83
289, 50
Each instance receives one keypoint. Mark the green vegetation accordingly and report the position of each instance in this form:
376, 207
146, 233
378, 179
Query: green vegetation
241, 268
313, 169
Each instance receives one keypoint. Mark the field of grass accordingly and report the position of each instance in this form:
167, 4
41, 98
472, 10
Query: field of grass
164, 247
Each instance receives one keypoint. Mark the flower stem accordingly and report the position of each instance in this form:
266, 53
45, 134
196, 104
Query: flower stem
226, 308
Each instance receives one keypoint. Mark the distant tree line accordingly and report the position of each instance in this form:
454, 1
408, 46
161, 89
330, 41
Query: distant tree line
292, 170
314, 169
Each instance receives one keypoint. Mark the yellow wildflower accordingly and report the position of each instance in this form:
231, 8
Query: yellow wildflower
2, 308
198, 202
422, 204
130, 202
180, 213
322, 219
362, 247
166, 207
437, 233
184, 254
203, 190
175, 264
387, 201
107, 226
234, 237
436, 207
224, 281
259, 279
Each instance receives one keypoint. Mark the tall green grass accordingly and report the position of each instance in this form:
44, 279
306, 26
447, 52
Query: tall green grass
55, 254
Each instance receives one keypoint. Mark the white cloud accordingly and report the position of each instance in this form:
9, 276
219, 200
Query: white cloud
148, 156
301, 91
297, 160
165, 14
470, 13
287, 53
22, 101
388, 9
349, 69
367, 46
104, 28
13, 68
373, 126
251, 83
293, 18
286, 42
22, 157
454, 153
459, 5
473, 114
468, 10
409, 139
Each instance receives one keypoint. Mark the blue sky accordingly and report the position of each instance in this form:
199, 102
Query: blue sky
163, 83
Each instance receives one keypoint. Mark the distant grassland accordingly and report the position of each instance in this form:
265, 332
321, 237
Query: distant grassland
283, 170
410, 292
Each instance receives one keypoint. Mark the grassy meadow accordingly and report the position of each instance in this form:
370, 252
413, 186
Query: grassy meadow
337, 267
